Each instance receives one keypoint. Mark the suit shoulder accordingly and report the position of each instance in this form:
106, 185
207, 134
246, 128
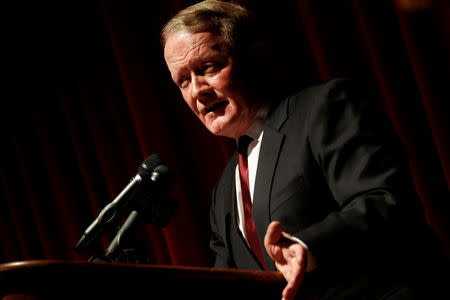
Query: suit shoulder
333, 93
326, 89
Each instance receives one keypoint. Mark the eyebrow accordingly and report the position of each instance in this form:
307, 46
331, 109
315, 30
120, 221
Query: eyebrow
201, 59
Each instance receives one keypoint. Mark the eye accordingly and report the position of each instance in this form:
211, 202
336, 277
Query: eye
183, 82
210, 68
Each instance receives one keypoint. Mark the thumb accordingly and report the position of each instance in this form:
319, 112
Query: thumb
272, 236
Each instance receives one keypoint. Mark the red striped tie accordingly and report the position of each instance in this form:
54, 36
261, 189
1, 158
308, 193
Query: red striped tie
250, 230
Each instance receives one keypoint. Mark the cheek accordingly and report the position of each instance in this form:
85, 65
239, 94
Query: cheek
224, 80
189, 101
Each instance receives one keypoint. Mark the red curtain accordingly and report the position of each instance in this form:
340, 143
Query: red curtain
88, 97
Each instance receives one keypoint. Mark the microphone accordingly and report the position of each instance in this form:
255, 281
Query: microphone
149, 171
160, 209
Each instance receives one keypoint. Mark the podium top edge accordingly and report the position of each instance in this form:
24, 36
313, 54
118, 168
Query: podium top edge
59, 265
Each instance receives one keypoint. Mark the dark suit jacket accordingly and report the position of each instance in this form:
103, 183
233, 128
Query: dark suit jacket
335, 175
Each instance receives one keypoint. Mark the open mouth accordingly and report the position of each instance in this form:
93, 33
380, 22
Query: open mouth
215, 106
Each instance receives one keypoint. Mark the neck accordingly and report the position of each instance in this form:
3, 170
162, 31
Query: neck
256, 124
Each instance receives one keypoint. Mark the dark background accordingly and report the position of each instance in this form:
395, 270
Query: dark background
87, 97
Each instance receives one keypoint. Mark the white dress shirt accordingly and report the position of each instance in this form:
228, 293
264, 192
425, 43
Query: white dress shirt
256, 132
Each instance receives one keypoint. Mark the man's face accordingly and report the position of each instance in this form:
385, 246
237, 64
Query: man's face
201, 66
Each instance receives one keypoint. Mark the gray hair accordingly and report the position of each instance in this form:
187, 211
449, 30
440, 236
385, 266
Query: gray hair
232, 22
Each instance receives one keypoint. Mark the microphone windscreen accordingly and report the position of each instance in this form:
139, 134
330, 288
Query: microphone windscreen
147, 167
154, 203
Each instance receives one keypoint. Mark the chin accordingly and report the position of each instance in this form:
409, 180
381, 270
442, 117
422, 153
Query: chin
215, 131
219, 131
223, 127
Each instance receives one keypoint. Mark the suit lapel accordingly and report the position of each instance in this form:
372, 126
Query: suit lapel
268, 157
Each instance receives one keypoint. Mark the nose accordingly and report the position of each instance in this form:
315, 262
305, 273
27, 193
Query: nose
200, 87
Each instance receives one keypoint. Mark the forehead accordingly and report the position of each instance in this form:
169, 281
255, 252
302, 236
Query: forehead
182, 45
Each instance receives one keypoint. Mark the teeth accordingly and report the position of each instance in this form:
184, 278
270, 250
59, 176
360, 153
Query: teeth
213, 107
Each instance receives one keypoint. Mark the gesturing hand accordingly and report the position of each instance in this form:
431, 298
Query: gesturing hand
289, 257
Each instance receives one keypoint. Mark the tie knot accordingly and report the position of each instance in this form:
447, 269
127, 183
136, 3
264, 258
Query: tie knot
243, 143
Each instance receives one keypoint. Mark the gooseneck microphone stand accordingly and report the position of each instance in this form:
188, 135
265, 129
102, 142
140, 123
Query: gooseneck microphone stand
148, 200
124, 248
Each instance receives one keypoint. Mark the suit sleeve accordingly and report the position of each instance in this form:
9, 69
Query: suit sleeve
367, 173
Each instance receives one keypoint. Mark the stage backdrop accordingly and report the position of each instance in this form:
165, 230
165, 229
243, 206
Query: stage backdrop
87, 98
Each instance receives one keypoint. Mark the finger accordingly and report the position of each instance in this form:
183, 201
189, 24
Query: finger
293, 271
273, 233
296, 258
293, 283
287, 294
294, 266
289, 291
295, 254
271, 239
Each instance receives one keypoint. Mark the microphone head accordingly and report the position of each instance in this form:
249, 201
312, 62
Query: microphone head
163, 176
155, 204
149, 165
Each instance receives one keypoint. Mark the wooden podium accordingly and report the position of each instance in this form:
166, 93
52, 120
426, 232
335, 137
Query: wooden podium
59, 279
